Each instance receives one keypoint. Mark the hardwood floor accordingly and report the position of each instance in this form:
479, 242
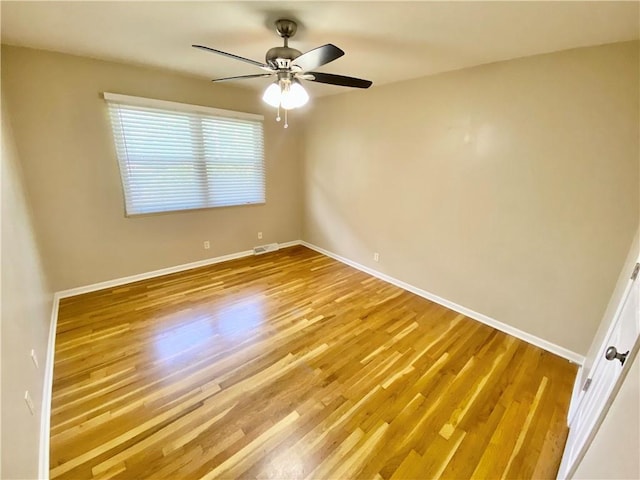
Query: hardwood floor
293, 365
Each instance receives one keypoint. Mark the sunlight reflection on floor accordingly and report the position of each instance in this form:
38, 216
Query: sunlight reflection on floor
232, 322
240, 318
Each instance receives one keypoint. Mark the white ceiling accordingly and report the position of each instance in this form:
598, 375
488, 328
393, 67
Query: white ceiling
384, 41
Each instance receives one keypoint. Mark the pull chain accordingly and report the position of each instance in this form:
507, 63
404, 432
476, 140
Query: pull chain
278, 115
286, 121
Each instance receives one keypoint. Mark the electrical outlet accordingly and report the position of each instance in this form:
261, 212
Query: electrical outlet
27, 399
34, 357
376, 257
207, 245
259, 235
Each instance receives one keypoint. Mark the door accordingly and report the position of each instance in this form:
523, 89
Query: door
614, 360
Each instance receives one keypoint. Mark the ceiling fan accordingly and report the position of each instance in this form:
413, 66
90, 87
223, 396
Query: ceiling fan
290, 66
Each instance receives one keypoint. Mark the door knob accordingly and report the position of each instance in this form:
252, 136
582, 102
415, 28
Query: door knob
612, 354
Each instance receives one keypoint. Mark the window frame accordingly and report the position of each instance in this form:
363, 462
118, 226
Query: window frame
133, 101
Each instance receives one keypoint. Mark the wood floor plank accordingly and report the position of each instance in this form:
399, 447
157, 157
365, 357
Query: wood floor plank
293, 365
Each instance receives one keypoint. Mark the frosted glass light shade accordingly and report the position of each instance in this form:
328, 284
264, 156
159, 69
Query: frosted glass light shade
272, 95
296, 97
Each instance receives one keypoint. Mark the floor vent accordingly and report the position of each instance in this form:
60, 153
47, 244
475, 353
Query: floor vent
271, 247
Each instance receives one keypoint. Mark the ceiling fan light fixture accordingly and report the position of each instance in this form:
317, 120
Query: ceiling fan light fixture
285, 94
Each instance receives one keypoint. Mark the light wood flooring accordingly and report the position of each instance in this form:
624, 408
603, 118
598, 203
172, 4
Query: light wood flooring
293, 365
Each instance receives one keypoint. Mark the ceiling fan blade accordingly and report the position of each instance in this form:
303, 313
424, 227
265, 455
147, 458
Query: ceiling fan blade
240, 77
318, 57
340, 80
230, 55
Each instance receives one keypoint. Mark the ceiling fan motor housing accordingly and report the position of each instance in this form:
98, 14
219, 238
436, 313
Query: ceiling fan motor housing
281, 57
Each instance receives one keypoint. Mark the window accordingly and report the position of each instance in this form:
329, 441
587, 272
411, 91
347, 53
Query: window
174, 156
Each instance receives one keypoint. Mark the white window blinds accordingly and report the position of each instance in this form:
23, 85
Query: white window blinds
174, 156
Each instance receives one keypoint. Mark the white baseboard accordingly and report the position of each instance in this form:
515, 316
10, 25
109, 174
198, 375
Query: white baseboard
45, 413
290, 244
503, 327
163, 271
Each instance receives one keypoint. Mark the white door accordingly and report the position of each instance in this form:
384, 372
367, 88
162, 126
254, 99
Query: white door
614, 360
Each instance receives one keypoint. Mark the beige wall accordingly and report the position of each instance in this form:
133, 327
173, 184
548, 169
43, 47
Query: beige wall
614, 450
64, 139
510, 188
26, 303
